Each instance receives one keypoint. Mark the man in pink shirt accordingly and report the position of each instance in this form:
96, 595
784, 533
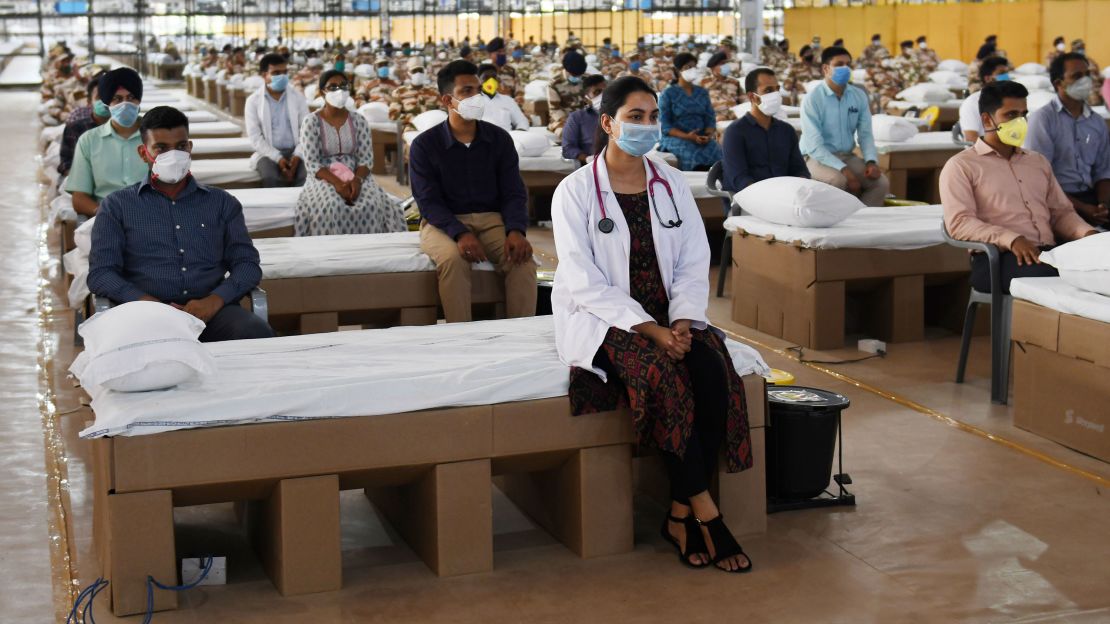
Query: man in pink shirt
996, 192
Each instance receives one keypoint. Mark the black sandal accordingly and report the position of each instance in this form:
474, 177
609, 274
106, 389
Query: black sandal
695, 542
725, 545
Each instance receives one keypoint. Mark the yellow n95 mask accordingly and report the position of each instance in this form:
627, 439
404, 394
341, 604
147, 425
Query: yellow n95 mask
489, 87
1013, 132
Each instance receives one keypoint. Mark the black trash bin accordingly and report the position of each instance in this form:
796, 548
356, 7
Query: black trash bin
801, 436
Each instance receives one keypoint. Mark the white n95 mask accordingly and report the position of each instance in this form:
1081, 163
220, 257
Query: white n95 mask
770, 103
172, 166
338, 98
690, 75
472, 108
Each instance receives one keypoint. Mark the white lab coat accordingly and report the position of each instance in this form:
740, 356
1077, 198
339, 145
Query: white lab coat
259, 129
591, 291
503, 111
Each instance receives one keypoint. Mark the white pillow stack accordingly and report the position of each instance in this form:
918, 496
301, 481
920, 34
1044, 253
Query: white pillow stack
800, 202
1034, 83
141, 346
536, 91
1084, 263
892, 129
428, 119
948, 79
1031, 69
375, 112
1039, 99
926, 92
953, 65
364, 71
529, 144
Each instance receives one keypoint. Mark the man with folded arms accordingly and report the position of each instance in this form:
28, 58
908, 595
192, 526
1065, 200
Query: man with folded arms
173, 240
996, 192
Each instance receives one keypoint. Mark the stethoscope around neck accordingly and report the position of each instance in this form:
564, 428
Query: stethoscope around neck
606, 225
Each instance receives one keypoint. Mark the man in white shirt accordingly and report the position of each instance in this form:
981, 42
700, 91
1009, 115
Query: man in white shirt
274, 114
992, 69
501, 110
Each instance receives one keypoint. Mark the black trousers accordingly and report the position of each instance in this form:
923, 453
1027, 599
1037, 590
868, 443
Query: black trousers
981, 271
708, 372
234, 322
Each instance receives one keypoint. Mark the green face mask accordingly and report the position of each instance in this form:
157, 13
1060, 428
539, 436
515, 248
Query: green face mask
100, 109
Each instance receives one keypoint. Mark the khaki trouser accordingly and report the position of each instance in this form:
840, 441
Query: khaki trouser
454, 270
872, 192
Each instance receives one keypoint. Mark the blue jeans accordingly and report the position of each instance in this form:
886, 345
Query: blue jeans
234, 322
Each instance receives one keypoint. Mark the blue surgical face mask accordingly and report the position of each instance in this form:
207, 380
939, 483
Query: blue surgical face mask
383, 72
1002, 77
518, 54
100, 109
841, 75
340, 65
574, 79
279, 83
726, 70
638, 139
634, 66
125, 113
616, 53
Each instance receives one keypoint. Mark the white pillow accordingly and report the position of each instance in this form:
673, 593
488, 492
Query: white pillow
859, 76
1039, 99
948, 78
812, 84
800, 202
953, 65
1034, 83
254, 83
536, 91
529, 144
1083, 263
1031, 69
364, 71
428, 119
892, 129
926, 92
375, 112
141, 346
82, 236
1106, 72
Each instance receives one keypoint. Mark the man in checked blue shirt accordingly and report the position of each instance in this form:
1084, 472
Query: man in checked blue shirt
173, 240
834, 116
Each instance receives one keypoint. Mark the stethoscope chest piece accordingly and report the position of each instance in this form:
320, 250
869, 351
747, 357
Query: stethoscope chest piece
605, 225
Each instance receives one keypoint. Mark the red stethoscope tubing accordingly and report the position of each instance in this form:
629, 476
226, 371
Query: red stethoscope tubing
655, 179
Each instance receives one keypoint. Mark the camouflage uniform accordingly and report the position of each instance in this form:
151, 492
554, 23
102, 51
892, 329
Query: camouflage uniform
974, 82
891, 76
724, 93
1095, 99
772, 56
563, 98
927, 58
873, 55
799, 74
613, 67
376, 90
408, 101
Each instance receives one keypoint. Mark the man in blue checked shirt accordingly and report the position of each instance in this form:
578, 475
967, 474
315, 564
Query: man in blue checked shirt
834, 117
173, 240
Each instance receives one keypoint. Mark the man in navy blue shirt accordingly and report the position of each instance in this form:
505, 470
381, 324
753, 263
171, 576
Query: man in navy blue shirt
466, 180
172, 240
578, 133
757, 146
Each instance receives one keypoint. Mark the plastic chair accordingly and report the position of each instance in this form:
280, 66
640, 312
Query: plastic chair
958, 136
713, 186
1001, 307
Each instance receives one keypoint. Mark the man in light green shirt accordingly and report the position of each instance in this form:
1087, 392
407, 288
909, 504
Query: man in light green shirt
107, 157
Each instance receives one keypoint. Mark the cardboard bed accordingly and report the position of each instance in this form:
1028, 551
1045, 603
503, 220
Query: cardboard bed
427, 470
215, 129
207, 148
226, 173
921, 159
874, 269
1061, 339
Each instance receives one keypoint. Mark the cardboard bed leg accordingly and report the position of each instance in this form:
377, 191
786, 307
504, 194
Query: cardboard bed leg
140, 544
419, 316
298, 540
319, 322
903, 309
446, 516
586, 503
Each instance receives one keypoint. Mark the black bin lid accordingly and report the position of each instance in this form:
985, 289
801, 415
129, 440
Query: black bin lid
801, 397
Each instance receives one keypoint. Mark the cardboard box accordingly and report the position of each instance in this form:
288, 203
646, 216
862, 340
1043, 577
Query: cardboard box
1062, 378
799, 294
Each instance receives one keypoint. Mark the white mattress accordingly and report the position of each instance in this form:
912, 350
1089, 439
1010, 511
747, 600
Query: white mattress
950, 105
181, 105
217, 171
200, 116
349, 254
214, 128
268, 208
384, 126
22, 70
551, 160
696, 180
921, 142
232, 145
1054, 293
910, 227
359, 373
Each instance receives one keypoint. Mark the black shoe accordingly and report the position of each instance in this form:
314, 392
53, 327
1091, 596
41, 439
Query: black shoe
725, 545
695, 543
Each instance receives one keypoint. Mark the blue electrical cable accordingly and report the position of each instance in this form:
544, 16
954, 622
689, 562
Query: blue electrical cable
151, 584
84, 602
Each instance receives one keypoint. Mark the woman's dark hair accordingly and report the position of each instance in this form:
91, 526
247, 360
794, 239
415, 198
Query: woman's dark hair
328, 75
612, 98
681, 60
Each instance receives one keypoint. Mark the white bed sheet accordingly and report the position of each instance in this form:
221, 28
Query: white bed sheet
200, 116
181, 105
949, 104
208, 146
1056, 294
551, 160
359, 373
384, 126
696, 180
22, 70
923, 141
911, 227
268, 208
217, 171
214, 128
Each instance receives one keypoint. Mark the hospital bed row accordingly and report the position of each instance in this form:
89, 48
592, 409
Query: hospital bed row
287, 423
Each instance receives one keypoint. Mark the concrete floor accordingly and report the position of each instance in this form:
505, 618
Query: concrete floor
951, 525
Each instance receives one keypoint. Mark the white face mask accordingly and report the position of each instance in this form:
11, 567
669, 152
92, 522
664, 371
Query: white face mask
471, 108
419, 80
1060, 47
690, 75
337, 99
314, 62
770, 103
924, 46
172, 167
596, 102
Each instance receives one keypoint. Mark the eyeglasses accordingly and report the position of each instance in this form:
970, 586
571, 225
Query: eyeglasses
337, 87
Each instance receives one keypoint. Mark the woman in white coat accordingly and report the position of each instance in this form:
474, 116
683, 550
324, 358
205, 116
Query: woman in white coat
630, 300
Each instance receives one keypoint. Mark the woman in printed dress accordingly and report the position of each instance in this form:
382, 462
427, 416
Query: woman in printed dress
689, 122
